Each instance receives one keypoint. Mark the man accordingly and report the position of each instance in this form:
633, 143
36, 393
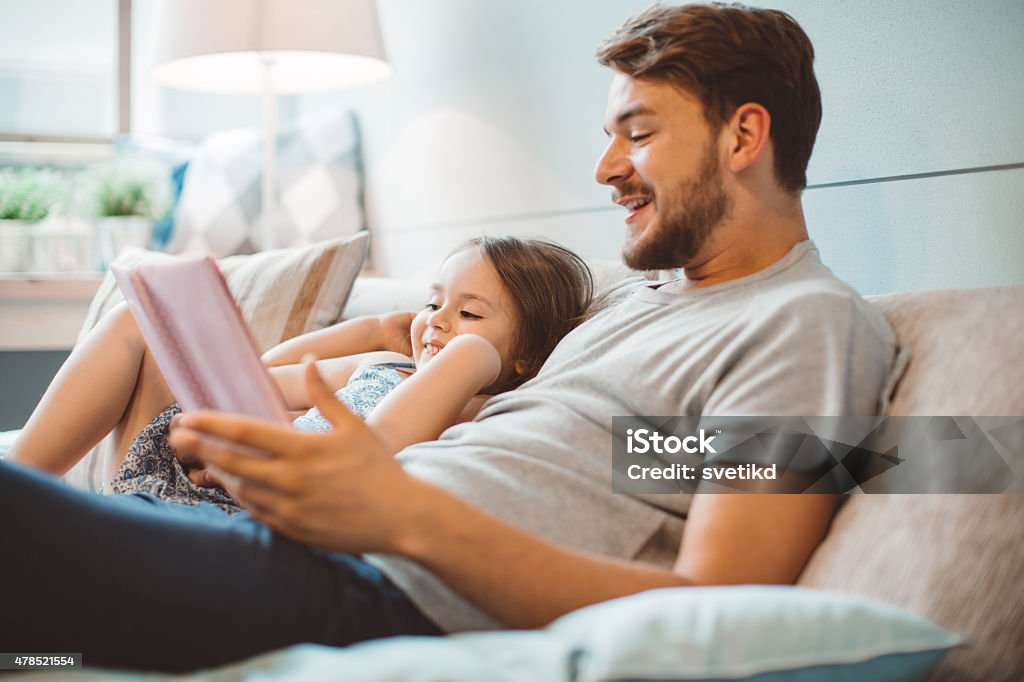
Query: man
511, 520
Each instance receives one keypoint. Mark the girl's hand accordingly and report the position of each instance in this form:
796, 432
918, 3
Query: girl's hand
196, 470
338, 490
395, 331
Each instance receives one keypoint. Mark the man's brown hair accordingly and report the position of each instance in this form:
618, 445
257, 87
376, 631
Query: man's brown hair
728, 55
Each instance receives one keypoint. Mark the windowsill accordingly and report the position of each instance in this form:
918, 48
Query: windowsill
44, 311
49, 285
61, 154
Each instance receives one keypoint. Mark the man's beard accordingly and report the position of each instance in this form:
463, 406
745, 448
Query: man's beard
686, 219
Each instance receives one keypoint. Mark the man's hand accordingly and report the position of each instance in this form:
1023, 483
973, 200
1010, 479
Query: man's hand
395, 331
338, 490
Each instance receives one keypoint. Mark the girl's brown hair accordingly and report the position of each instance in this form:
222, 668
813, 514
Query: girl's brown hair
550, 288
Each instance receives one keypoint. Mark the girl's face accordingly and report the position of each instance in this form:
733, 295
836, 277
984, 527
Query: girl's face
467, 298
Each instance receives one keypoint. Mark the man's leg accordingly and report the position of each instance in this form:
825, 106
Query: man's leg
138, 583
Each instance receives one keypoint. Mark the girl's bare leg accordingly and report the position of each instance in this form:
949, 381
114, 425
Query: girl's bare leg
109, 383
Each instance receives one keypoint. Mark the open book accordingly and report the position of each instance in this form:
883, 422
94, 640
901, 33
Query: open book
198, 338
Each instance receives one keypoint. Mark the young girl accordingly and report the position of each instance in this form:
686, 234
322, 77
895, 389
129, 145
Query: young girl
498, 308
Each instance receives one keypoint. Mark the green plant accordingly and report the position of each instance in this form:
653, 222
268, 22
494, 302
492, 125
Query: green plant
126, 188
30, 194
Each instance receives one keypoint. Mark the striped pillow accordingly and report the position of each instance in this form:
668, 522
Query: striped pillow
281, 294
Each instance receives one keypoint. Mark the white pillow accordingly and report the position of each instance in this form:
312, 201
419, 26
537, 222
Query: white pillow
751, 632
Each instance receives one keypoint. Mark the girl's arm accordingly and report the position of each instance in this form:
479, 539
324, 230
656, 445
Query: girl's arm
335, 372
388, 332
432, 399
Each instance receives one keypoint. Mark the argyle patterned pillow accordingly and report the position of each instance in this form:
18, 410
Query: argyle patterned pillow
319, 180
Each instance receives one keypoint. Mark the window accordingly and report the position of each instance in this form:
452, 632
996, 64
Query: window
60, 71
74, 72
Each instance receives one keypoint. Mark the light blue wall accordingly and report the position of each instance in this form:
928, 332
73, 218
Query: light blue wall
492, 123
931, 89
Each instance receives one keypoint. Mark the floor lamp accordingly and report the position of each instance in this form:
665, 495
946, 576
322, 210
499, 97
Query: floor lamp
269, 48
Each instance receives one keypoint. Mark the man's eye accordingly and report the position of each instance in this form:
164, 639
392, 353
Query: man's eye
470, 316
639, 138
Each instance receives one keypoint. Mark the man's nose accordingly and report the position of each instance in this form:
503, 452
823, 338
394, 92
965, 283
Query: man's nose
614, 165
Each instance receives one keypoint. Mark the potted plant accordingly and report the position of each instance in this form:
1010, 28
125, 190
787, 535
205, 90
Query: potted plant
27, 196
125, 197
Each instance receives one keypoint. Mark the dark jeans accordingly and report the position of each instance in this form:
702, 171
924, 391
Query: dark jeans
134, 582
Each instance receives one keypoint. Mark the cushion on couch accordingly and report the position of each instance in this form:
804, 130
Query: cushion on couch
281, 293
959, 342
750, 632
953, 558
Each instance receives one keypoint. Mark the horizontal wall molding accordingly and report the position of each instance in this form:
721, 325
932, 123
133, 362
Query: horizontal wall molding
918, 176
542, 215
497, 220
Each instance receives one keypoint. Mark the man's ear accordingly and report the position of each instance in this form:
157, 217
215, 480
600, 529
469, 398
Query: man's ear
749, 132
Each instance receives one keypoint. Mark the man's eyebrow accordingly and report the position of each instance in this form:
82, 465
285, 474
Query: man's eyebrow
638, 109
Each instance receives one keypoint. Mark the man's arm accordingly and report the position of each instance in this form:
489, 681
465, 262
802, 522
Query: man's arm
343, 491
527, 582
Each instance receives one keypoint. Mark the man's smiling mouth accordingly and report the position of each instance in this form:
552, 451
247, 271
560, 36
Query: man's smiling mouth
634, 205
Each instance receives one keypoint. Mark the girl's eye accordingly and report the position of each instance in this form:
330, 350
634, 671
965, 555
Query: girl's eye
470, 316
433, 306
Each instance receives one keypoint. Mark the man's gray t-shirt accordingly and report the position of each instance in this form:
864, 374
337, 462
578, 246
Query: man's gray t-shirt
791, 339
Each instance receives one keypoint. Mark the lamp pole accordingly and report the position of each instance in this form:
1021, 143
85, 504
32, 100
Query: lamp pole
268, 192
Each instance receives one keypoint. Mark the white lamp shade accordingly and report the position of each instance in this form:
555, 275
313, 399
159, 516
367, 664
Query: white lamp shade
224, 46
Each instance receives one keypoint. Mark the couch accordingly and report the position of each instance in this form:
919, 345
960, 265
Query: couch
957, 560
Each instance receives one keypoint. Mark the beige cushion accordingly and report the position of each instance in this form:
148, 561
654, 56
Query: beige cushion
962, 345
953, 558
281, 294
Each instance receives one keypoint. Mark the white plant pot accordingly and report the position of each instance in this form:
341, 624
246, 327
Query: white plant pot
63, 244
16, 245
117, 233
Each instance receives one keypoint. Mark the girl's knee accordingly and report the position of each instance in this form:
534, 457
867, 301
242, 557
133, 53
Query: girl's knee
121, 315
119, 323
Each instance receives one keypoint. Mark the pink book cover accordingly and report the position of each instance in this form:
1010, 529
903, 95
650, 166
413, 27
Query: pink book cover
199, 339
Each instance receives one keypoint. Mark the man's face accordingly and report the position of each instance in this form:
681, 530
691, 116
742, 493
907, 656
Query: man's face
662, 161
